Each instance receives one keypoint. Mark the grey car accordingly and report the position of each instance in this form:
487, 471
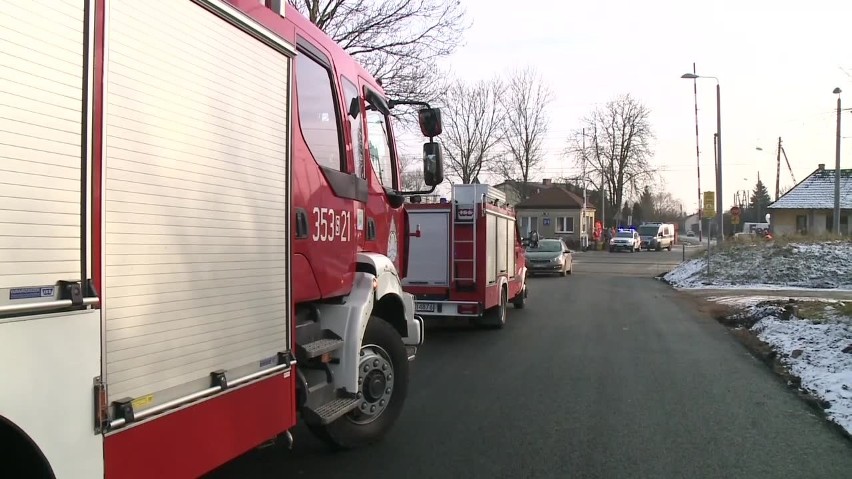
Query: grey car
549, 256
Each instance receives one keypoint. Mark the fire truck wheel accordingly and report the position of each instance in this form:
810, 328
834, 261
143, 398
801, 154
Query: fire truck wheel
496, 317
521, 300
383, 379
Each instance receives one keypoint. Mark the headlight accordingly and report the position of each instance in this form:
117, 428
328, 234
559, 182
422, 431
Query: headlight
556, 260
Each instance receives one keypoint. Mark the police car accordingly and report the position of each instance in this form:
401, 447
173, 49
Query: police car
625, 239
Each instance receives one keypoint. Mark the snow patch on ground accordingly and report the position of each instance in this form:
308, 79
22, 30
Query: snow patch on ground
814, 353
817, 350
823, 265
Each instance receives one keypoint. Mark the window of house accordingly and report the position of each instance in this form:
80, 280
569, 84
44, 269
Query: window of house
528, 224
356, 127
378, 140
564, 224
802, 224
317, 114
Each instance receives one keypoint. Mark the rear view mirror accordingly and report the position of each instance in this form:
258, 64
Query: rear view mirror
355, 107
433, 164
430, 122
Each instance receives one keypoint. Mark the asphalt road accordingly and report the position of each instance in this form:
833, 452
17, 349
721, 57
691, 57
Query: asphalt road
644, 263
601, 376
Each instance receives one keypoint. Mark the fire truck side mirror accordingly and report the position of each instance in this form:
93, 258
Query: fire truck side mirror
433, 164
355, 107
430, 122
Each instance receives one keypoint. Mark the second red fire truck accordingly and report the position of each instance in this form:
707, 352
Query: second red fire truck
467, 261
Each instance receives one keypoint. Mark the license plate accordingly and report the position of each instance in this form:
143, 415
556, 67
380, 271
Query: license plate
425, 307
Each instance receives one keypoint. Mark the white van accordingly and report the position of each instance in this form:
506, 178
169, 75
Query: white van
657, 236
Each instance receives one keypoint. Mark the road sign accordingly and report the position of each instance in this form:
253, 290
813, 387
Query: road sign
735, 219
709, 204
735, 212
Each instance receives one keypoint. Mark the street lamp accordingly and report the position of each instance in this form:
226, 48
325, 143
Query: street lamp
719, 215
837, 169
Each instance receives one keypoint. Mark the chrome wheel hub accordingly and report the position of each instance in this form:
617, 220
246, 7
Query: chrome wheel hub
375, 384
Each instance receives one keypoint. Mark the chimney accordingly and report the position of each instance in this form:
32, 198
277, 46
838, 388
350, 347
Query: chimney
545, 181
822, 167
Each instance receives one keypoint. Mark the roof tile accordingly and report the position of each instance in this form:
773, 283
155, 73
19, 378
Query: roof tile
554, 197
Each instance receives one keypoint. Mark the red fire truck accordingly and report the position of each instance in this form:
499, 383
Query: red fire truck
465, 256
198, 237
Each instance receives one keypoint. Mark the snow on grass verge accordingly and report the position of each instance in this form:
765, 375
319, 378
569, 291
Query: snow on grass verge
813, 340
776, 265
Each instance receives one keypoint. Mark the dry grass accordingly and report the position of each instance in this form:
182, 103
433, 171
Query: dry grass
821, 311
814, 311
844, 308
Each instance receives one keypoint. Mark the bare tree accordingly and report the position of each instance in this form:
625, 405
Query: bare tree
524, 104
472, 126
397, 41
666, 207
618, 148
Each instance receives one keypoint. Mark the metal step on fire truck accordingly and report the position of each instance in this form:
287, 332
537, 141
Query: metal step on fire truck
168, 172
467, 260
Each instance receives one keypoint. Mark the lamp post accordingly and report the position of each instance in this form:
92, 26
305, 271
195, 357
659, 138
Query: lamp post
836, 226
719, 213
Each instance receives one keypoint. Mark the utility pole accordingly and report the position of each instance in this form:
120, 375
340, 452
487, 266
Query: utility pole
719, 162
836, 228
718, 193
584, 238
697, 151
778, 171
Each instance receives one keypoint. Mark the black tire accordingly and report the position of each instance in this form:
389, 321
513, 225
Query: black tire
495, 318
521, 301
352, 430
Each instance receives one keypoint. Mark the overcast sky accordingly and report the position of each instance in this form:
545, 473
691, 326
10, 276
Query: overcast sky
777, 62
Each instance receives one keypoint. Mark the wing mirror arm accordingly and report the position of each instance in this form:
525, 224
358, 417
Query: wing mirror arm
416, 233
